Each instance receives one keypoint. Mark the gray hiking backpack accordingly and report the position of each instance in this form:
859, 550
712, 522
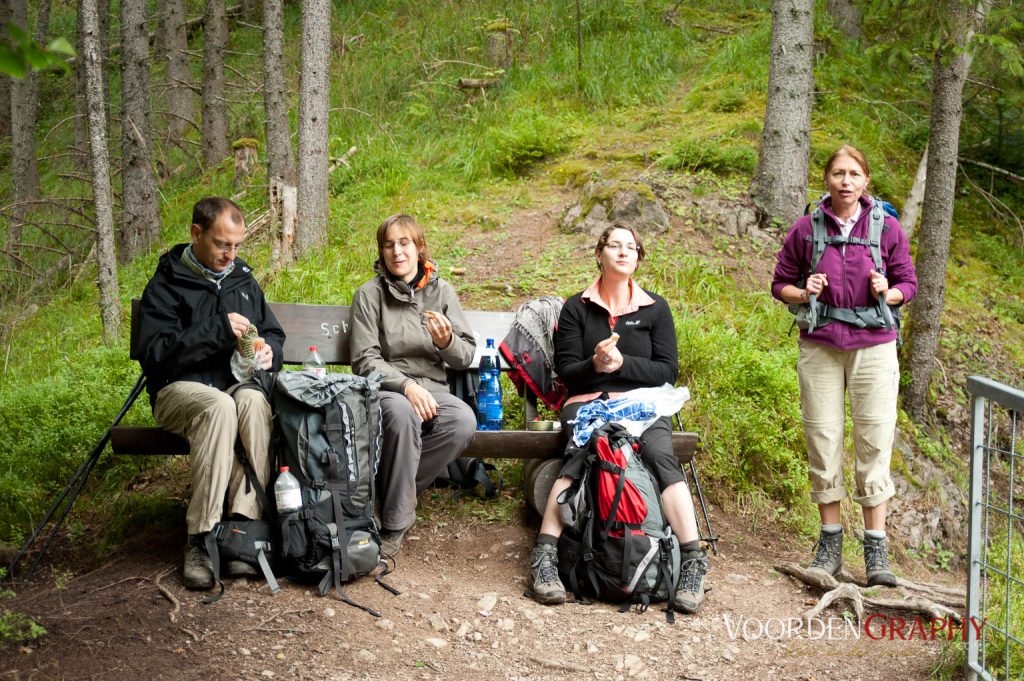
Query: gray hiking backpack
328, 434
815, 314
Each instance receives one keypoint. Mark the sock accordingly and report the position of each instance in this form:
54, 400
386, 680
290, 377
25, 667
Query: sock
832, 528
874, 534
690, 546
547, 539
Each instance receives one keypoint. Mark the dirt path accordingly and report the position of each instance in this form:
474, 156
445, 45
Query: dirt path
461, 615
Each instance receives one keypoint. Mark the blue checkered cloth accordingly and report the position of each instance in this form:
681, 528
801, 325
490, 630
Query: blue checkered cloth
593, 415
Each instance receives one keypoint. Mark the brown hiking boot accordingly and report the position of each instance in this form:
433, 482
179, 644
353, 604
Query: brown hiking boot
546, 587
197, 573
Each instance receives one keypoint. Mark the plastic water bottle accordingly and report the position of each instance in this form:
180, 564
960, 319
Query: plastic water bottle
488, 397
287, 492
314, 363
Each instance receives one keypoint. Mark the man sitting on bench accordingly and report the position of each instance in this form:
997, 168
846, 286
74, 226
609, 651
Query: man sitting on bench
194, 311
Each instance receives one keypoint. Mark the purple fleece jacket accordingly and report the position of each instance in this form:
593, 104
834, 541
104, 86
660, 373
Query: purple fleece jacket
849, 284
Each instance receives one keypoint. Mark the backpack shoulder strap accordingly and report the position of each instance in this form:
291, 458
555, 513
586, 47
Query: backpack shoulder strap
819, 235
875, 227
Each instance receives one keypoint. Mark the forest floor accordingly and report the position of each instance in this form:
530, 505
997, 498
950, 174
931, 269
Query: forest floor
462, 614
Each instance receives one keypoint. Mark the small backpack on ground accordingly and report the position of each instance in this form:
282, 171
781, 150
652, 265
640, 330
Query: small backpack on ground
814, 314
328, 434
249, 541
617, 544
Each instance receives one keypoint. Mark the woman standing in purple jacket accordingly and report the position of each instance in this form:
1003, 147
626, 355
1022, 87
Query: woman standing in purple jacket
848, 353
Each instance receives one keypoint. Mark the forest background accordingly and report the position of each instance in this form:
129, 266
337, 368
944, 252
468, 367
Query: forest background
664, 98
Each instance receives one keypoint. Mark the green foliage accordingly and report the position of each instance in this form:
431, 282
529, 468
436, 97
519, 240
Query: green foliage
512, 149
16, 627
19, 53
723, 155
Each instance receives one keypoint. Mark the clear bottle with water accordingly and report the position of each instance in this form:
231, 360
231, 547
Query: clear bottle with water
488, 397
314, 363
287, 493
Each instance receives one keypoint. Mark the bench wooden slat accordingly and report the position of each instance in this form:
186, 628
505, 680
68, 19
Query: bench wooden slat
488, 444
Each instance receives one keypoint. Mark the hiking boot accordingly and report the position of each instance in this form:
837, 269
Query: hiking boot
546, 587
239, 568
690, 591
876, 562
391, 541
197, 572
828, 555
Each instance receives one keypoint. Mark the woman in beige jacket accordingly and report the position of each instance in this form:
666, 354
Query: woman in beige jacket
408, 325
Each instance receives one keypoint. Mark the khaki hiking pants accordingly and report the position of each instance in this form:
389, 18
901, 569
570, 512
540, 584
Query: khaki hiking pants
210, 419
870, 377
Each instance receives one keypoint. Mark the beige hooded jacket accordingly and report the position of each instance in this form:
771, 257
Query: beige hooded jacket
389, 332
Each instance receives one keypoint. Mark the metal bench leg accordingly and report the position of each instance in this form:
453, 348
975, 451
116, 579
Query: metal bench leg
710, 537
73, 489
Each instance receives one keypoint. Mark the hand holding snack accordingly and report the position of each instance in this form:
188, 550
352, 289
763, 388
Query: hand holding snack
249, 343
439, 327
607, 357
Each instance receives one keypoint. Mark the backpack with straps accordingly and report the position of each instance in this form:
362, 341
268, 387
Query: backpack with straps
617, 544
328, 434
815, 314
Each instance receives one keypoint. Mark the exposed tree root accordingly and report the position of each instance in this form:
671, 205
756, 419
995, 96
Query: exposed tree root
931, 600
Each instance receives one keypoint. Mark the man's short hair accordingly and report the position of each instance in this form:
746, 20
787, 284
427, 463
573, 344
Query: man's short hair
206, 211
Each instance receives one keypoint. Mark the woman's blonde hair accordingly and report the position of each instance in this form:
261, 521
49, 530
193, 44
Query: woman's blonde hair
409, 224
854, 153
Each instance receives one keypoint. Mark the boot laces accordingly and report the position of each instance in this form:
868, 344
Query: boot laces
827, 551
692, 572
544, 564
876, 556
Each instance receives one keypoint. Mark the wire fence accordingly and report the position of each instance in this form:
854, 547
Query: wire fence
995, 585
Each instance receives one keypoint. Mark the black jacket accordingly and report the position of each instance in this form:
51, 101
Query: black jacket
647, 342
184, 334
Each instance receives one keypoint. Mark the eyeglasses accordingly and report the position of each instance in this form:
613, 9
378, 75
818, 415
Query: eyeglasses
618, 246
226, 248
402, 243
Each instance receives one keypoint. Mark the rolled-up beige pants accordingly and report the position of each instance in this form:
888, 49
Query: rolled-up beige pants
870, 376
210, 419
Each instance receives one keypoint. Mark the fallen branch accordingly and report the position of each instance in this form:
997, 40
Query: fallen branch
935, 602
1013, 177
169, 596
476, 83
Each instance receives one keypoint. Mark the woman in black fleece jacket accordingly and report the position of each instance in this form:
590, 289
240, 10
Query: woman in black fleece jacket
612, 338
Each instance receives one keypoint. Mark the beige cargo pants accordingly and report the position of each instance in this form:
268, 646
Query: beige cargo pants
210, 419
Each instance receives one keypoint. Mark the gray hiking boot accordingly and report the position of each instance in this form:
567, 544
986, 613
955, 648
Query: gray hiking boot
876, 562
690, 591
828, 555
197, 572
391, 541
239, 568
546, 587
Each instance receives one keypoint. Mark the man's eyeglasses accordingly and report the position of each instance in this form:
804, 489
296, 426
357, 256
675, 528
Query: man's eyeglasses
401, 243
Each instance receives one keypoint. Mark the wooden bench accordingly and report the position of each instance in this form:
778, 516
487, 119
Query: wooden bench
327, 327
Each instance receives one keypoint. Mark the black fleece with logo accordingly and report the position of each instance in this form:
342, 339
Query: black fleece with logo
647, 341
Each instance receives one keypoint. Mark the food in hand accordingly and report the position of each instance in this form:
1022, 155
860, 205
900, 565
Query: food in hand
614, 338
250, 343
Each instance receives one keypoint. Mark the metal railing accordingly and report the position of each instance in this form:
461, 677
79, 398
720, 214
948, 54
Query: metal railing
995, 584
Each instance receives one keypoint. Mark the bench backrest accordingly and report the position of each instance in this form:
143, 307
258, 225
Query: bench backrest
327, 327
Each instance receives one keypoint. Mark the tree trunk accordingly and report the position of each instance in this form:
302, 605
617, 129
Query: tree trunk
314, 91
110, 306
951, 65
912, 206
5, 81
140, 220
81, 106
779, 189
280, 160
846, 16
181, 101
215, 110
24, 109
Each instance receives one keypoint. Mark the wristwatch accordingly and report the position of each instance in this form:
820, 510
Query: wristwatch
804, 296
